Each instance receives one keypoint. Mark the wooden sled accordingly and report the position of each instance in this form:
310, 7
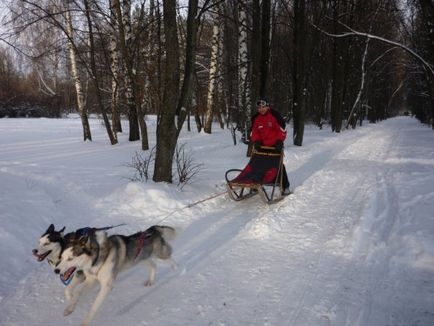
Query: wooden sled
262, 175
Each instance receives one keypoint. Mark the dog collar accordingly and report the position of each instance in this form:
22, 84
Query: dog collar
66, 282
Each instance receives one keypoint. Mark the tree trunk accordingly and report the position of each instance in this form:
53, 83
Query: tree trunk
298, 72
265, 46
114, 63
190, 58
132, 97
352, 119
166, 130
125, 23
255, 54
362, 86
243, 80
427, 7
336, 109
81, 106
212, 73
175, 103
95, 79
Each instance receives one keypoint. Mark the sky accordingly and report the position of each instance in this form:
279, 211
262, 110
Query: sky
353, 245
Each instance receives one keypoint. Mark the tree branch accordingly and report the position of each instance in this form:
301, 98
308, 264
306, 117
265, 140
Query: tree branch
379, 38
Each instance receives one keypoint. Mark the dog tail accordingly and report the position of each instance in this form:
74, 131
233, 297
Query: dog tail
167, 232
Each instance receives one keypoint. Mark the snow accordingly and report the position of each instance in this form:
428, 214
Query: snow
353, 245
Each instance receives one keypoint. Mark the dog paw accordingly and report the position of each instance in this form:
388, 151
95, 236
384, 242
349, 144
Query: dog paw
68, 310
149, 283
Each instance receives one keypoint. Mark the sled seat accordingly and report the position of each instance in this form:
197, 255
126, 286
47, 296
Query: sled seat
262, 175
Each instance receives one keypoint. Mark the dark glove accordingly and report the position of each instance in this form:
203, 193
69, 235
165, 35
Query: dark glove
257, 145
278, 145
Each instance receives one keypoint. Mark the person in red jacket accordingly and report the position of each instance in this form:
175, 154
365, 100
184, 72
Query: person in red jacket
269, 129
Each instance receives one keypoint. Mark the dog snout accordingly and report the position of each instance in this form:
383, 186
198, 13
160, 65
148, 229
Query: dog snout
57, 271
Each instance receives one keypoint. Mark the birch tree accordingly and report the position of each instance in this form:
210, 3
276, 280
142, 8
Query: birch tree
81, 105
244, 101
350, 118
114, 63
216, 45
362, 85
256, 53
123, 14
134, 108
95, 76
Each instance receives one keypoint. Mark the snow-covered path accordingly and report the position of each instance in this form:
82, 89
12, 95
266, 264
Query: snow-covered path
352, 246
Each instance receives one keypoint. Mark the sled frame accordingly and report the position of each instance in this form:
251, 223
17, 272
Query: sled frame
239, 191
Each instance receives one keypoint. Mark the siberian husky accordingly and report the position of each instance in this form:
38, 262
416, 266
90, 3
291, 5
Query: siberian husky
101, 258
50, 247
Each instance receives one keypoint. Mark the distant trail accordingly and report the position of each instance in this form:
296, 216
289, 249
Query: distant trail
334, 220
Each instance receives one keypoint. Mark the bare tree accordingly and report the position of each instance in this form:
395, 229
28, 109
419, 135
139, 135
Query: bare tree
114, 63
213, 69
427, 8
81, 105
298, 71
244, 101
125, 41
166, 130
350, 119
175, 102
95, 78
265, 46
132, 96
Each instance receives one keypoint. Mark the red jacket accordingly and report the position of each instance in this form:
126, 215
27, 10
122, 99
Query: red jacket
268, 128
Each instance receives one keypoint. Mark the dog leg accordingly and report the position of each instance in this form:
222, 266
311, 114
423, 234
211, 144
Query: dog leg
87, 284
152, 269
105, 289
172, 263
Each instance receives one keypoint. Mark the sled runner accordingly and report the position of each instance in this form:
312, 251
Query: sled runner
262, 175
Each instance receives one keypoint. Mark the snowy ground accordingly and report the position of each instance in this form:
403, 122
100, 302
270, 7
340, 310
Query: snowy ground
353, 245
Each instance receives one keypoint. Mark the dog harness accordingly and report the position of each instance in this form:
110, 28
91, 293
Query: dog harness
141, 241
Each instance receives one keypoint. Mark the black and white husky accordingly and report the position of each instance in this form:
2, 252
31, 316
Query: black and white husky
50, 247
101, 258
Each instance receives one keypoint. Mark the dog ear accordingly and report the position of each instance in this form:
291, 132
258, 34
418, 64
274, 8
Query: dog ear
50, 228
61, 230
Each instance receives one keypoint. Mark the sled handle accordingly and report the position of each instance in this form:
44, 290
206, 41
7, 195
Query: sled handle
230, 171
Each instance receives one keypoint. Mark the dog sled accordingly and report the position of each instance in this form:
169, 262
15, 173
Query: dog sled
262, 175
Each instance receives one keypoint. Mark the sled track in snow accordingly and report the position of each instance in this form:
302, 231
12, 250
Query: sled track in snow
217, 230
209, 235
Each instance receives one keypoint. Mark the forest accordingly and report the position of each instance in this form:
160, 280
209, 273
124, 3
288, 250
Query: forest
336, 63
